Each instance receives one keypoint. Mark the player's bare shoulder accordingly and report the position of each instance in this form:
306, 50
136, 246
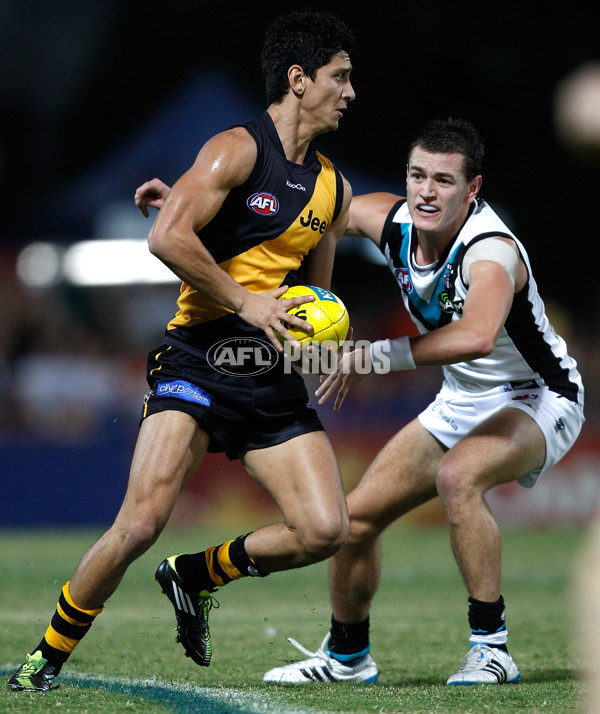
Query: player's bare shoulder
224, 162
231, 155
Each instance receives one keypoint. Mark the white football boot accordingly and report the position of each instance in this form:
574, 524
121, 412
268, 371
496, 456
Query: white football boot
320, 667
486, 665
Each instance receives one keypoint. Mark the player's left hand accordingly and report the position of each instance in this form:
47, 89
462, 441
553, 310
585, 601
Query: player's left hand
354, 367
152, 193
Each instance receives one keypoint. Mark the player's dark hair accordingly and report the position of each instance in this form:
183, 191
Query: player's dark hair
453, 136
309, 38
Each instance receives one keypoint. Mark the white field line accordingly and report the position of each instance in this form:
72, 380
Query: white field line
256, 701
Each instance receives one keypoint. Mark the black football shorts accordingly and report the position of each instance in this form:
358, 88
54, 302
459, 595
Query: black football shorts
239, 412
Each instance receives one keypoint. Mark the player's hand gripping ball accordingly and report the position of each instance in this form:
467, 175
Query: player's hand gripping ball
327, 314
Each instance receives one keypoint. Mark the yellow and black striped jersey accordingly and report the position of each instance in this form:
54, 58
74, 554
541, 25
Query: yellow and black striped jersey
265, 227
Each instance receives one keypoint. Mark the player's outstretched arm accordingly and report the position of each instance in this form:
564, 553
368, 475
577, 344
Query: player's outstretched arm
368, 213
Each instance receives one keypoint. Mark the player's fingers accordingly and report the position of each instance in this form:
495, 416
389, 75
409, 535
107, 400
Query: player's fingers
327, 395
142, 206
278, 292
291, 302
286, 335
295, 321
328, 388
273, 339
341, 395
325, 381
145, 190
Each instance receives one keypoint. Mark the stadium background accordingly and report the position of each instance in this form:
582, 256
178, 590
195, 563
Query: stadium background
96, 97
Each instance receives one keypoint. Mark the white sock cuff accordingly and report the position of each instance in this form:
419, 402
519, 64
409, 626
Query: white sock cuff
493, 639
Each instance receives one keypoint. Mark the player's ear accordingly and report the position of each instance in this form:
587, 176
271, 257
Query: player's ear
473, 189
297, 79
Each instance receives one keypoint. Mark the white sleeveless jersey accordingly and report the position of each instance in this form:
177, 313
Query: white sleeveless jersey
527, 350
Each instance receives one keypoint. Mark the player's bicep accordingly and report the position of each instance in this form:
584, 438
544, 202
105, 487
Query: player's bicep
489, 297
193, 202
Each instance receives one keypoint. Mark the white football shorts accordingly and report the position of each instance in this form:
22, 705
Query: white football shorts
453, 414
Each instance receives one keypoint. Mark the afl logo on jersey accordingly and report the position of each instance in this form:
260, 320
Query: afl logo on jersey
265, 204
403, 278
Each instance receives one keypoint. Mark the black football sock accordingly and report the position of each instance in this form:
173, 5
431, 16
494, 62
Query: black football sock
68, 626
216, 566
349, 641
488, 622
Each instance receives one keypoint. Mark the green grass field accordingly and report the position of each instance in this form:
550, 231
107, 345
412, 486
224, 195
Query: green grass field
129, 662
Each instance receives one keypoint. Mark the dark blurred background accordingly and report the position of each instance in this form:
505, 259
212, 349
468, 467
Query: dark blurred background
97, 97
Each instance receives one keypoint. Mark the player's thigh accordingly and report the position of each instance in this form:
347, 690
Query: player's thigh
303, 478
169, 450
401, 477
504, 447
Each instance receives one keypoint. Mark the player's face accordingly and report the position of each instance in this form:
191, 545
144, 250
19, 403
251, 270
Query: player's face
328, 96
438, 193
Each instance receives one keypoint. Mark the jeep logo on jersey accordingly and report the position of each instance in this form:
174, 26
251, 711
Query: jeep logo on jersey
313, 222
242, 356
263, 203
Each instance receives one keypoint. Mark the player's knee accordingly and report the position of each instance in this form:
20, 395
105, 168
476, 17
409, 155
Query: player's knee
362, 531
324, 537
453, 483
141, 533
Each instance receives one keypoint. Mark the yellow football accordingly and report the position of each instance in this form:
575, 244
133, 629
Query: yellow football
327, 314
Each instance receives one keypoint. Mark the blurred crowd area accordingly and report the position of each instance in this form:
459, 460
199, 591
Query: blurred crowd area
73, 358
